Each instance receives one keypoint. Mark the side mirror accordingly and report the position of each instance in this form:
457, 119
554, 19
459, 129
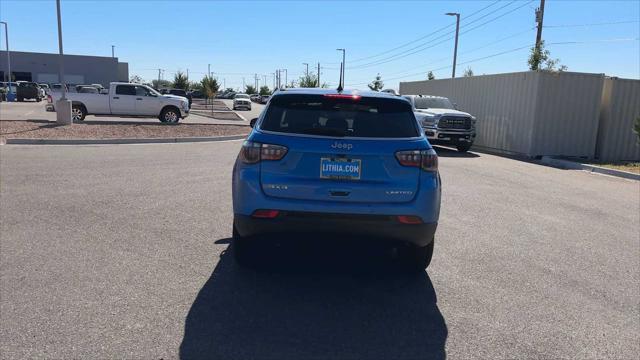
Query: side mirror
252, 123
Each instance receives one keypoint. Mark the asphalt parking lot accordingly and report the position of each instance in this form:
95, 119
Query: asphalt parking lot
115, 251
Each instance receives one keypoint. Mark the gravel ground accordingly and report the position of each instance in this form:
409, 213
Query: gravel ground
38, 129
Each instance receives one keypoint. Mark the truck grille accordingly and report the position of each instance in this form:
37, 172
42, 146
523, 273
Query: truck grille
454, 122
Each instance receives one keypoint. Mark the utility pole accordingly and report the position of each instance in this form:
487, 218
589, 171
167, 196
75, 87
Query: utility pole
264, 80
243, 84
539, 19
187, 73
455, 47
318, 74
63, 106
6, 38
209, 70
158, 84
285, 78
307, 71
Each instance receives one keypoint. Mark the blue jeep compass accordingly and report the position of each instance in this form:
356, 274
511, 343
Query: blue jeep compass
323, 161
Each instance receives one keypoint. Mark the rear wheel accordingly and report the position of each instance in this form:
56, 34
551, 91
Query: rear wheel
78, 113
170, 115
417, 258
241, 249
463, 146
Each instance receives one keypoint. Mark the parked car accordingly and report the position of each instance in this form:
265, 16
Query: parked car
197, 94
264, 99
28, 90
123, 100
255, 98
241, 101
58, 87
390, 91
318, 161
88, 90
442, 123
178, 92
45, 88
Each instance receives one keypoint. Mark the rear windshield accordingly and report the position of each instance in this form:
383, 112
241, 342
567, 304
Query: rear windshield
321, 115
433, 103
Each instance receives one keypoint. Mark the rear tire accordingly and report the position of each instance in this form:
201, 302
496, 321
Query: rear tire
241, 249
418, 258
78, 113
464, 147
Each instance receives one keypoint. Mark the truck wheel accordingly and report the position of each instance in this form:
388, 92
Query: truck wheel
20, 99
170, 115
78, 113
417, 258
464, 146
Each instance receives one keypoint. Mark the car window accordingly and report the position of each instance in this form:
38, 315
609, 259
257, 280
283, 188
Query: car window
322, 115
125, 90
242, 96
433, 103
142, 91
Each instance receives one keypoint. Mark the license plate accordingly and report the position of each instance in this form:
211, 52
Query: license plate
340, 168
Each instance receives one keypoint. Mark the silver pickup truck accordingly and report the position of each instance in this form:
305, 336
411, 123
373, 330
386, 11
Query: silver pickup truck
125, 100
442, 123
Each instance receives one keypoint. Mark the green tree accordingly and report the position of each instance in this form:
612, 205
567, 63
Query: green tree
135, 79
468, 72
210, 86
249, 89
377, 84
430, 75
181, 81
310, 81
540, 59
161, 84
195, 85
264, 90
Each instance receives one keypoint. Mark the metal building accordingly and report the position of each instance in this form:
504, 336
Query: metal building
79, 69
545, 113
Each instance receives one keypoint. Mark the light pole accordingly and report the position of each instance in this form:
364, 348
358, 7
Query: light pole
455, 48
6, 38
63, 106
307, 71
342, 68
113, 53
209, 70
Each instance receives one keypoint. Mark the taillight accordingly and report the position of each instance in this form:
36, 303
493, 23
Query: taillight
254, 152
427, 160
409, 219
265, 214
343, 96
49, 99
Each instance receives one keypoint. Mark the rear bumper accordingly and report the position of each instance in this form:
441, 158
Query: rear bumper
184, 113
374, 226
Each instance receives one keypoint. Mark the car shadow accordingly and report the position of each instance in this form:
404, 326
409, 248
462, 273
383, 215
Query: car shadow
450, 152
313, 303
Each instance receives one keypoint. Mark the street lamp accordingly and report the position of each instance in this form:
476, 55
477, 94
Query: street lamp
455, 49
63, 106
6, 37
113, 53
307, 71
342, 68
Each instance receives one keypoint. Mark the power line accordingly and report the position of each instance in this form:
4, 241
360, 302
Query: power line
428, 45
593, 24
420, 38
507, 52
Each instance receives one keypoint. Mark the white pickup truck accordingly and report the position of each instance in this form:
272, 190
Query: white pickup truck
125, 100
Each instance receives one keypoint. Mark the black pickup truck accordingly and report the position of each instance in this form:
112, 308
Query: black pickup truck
28, 90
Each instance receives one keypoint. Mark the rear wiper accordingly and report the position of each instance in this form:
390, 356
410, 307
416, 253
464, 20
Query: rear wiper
324, 131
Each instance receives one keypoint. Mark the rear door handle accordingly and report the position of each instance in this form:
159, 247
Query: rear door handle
116, 97
138, 98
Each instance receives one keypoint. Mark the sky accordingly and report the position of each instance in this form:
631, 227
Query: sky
400, 40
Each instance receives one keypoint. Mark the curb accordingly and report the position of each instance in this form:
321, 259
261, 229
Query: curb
121, 141
572, 165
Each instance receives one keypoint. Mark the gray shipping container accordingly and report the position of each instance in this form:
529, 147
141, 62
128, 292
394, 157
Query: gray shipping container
620, 107
529, 113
